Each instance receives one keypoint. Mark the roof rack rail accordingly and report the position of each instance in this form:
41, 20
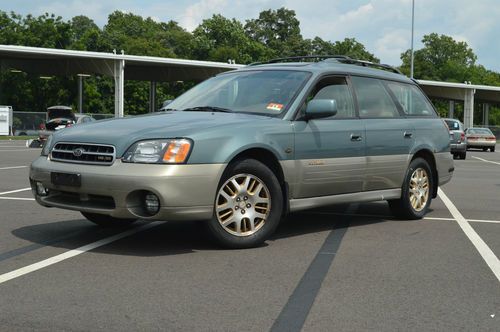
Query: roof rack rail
339, 58
365, 63
315, 58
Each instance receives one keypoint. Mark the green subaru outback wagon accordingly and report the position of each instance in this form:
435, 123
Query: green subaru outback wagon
245, 148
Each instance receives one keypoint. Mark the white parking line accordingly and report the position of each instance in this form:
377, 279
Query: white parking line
12, 167
75, 252
486, 161
18, 198
471, 220
15, 191
483, 249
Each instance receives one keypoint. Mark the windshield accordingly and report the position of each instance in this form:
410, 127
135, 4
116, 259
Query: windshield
264, 92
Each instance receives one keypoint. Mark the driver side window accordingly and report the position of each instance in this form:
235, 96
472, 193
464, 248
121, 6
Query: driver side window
335, 88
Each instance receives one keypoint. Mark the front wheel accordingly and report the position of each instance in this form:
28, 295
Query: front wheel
248, 205
416, 192
107, 221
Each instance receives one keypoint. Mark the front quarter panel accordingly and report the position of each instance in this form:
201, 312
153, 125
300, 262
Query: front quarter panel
222, 144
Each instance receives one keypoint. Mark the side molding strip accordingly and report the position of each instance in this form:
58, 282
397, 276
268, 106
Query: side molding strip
368, 196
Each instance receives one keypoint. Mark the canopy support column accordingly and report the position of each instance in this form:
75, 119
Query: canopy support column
469, 108
451, 109
119, 72
486, 114
152, 97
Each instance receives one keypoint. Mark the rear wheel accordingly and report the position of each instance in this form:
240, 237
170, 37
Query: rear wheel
248, 205
463, 155
485, 149
107, 221
492, 149
416, 192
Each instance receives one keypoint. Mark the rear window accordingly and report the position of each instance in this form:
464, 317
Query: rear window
452, 125
373, 99
479, 131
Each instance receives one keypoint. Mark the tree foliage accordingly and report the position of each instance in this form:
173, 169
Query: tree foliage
274, 33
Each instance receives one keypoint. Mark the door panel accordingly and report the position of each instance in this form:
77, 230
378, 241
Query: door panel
328, 161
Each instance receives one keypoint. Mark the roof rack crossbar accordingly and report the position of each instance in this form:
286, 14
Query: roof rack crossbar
339, 58
365, 63
299, 58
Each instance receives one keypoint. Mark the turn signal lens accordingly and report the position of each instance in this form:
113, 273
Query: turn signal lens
177, 151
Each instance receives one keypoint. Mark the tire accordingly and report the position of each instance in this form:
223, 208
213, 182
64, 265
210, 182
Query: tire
485, 149
455, 156
463, 155
248, 205
409, 206
492, 149
107, 221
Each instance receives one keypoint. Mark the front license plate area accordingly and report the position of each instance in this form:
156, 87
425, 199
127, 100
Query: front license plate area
66, 179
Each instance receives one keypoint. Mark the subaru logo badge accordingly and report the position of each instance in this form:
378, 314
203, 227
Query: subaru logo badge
78, 152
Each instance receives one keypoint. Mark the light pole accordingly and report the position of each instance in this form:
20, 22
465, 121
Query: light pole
412, 28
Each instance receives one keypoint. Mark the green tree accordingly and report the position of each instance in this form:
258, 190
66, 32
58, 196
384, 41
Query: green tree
279, 30
349, 46
442, 59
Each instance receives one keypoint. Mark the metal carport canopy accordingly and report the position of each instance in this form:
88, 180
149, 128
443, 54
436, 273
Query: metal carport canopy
61, 62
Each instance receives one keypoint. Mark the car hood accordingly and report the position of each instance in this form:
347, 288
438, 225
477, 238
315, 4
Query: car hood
123, 132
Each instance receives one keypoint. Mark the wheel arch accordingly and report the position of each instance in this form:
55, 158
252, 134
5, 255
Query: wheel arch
428, 156
268, 158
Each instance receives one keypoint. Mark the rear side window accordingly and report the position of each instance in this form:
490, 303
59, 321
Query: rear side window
373, 99
411, 99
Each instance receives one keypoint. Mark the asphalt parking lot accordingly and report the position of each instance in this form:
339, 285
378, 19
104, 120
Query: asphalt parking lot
343, 268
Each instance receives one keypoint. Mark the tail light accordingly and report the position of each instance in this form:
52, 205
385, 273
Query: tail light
462, 137
472, 137
492, 138
42, 126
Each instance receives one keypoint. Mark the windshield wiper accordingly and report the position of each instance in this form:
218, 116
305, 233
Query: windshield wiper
207, 109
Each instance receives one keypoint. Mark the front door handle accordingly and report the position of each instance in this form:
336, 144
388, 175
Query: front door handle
408, 134
356, 138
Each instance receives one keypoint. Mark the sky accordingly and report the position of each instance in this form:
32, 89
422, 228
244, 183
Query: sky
383, 26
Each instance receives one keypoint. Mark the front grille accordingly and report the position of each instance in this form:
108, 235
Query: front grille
83, 153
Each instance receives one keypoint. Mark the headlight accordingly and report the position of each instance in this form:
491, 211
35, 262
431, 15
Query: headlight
160, 151
46, 146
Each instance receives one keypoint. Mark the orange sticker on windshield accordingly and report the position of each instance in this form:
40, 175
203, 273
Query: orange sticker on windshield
274, 107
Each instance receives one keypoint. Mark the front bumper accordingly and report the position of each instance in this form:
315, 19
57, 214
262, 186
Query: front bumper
186, 192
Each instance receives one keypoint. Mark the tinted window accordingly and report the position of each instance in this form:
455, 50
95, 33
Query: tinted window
373, 99
452, 125
336, 88
411, 99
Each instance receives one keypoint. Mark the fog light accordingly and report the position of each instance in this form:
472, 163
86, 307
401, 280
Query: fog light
41, 190
151, 203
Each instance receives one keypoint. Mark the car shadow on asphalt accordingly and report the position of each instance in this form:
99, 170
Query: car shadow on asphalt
175, 238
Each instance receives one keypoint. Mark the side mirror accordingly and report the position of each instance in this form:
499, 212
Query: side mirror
321, 108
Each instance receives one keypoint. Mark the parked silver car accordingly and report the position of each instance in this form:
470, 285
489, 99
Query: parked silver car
243, 149
481, 138
458, 141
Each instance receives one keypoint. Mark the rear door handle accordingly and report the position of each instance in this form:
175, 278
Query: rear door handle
408, 134
356, 138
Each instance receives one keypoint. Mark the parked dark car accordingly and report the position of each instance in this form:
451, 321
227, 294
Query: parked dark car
59, 117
